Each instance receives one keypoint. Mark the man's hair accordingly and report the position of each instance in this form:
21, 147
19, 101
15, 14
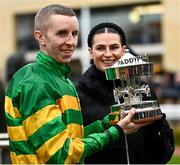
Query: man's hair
106, 28
44, 14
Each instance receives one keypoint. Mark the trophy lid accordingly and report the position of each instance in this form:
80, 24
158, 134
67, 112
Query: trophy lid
128, 60
129, 66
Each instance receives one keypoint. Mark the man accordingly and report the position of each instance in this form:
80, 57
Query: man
42, 106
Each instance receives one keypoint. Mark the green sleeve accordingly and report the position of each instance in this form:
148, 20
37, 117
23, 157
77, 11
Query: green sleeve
95, 127
95, 142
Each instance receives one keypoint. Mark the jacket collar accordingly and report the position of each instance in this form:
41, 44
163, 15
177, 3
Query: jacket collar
51, 64
95, 84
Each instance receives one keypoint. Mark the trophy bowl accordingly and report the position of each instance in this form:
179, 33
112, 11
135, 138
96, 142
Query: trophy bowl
129, 71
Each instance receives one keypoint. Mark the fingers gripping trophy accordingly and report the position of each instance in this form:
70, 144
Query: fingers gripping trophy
129, 90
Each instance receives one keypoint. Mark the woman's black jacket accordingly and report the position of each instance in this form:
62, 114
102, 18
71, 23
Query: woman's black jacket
151, 144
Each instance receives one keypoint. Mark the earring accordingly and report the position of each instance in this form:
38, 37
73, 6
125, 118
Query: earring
91, 61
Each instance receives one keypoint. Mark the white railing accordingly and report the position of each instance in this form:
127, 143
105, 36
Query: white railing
172, 111
4, 143
4, 140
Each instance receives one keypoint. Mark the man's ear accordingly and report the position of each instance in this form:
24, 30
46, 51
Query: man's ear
39, 37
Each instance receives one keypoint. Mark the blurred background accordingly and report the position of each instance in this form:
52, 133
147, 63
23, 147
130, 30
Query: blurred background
151, 27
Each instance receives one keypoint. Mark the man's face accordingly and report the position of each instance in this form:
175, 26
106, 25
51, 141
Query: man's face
61, 37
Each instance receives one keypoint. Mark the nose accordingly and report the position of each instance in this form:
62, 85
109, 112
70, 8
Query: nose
70, 39
108, 53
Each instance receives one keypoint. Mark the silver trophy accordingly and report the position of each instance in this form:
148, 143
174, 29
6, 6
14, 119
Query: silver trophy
128, 90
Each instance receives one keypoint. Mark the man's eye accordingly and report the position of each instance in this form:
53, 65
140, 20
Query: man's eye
62, 34
75, 33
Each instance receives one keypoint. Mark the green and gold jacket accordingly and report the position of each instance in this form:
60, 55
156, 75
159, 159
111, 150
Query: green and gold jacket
44, 118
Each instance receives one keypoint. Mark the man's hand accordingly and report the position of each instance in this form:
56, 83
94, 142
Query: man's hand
126, 124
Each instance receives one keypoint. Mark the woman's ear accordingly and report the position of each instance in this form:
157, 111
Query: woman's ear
39, 37
90, 52
91, 56
124, 48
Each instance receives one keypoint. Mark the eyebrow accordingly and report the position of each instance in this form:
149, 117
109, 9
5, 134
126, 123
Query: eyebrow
61, 30
99, 45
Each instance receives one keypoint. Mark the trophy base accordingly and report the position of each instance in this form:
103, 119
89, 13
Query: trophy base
146, 115
146, 111
147, 120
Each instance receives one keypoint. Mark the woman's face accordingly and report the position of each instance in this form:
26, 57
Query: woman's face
106, 50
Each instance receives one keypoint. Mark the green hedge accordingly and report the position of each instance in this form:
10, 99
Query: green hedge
174, 160
176, 131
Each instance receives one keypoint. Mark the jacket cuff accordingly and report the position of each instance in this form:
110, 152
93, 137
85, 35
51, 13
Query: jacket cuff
114, 133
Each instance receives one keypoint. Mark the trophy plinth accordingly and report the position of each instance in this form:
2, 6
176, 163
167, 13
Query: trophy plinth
130, 70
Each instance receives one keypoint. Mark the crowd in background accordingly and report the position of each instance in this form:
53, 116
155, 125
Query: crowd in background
167, 86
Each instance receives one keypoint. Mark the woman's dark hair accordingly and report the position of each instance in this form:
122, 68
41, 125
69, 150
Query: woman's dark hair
106, 27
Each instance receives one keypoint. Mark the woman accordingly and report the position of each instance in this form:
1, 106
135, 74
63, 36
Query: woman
150, 144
